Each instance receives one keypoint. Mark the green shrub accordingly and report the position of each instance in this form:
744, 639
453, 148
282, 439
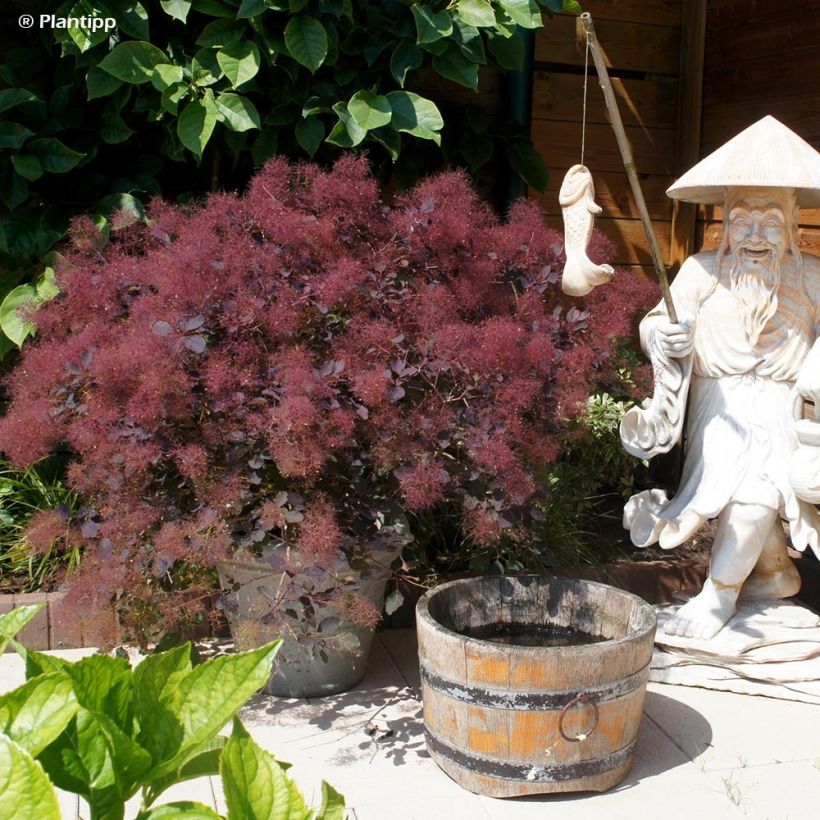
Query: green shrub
105, 731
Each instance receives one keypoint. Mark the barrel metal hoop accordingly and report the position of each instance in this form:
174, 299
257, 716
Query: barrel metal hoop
528, 772
532, 701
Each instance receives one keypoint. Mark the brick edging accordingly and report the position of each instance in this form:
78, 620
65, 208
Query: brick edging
49, 629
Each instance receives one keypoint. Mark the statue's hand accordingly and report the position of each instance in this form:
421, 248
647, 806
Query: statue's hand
808, 382
674, 339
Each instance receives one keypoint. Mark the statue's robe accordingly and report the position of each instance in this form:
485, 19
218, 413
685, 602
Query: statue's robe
740, 430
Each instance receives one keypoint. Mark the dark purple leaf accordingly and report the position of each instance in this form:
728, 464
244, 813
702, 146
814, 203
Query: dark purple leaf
161, 328
196, 344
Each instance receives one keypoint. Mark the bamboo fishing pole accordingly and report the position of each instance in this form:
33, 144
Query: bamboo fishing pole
629, 162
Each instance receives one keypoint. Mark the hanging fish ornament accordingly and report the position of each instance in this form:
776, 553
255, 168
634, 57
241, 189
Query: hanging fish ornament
578, 208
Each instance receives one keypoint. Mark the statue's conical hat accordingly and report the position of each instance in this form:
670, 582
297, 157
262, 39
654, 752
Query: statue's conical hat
765, 155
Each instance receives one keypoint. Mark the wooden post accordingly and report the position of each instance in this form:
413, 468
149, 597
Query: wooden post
629, 163
693, 38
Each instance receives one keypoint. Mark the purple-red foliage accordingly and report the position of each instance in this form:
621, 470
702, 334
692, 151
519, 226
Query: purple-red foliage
306, 338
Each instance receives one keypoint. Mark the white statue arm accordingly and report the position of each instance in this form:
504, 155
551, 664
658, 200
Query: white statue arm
656, 426
808, 382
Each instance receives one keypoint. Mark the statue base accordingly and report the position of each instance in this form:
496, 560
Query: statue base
770, 647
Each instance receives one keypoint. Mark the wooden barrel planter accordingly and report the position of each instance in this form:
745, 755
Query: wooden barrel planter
506, 720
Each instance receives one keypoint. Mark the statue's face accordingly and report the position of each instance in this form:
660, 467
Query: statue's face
758, 227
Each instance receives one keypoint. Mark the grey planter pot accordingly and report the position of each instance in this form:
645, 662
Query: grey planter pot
311, 662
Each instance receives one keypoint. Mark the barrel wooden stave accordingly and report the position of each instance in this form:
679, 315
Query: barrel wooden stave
462, 678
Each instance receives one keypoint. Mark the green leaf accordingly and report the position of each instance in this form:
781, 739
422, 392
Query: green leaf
25, 791
477, 13
185, 810
306, 40
264, 147
255, 784
196, 123
13, 135
239, 113
113, 129
528, 164
34, 714
165, 75
406, 57
470, 42
170, 98
124, 203
250, 8
203, 762
454, 66
28, 166
11, 97
571, 7
508, 51
46, 285
239, 62
12, 622
431, 26
103, 685
347, 133
389, 139
54, 156
210, 694
370, 110
333, 804
416, 115
13, 322
221, 33
309, 134
178, 9
205, 67
526, 13
86, 38
133, 61
100, 83
131, 17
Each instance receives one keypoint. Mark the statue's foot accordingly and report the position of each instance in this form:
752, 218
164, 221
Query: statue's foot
780, 583
706, 614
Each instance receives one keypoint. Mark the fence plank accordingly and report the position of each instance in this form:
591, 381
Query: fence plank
627, 46
650, 103
560, 145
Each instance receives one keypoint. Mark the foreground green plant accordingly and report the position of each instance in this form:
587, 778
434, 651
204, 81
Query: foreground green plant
105, 731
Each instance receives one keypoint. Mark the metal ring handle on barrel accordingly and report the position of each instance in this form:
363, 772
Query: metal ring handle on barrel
583, 698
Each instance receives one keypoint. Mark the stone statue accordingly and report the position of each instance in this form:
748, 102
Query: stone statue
745, 353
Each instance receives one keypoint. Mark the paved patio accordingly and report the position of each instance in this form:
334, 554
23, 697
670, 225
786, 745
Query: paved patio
700, 754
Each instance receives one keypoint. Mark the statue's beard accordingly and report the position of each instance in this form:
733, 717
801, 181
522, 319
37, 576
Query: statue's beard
754, 282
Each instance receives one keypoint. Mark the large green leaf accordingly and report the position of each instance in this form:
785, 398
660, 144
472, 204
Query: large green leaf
86, 37
13, 320
477, 13
415, 115
156, 699
12, 622
347, 133
54, 156
210, 694
528, 164
133, 61
203, 762
103, 685
185, 810
238, 113
250, 8
309, 134
178, 9
165, 75
196, 123
508, 51
333, 804
431, 26
34, 714
221, 33
306, 40
11, 97
27, 165
100, 83
255, 784
405, 58
526, 13
114, 129
455, 66
46, 285
13, 135
370, 110
239, 62
25, 791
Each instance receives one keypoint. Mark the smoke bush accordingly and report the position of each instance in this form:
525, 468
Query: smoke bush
286, 363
